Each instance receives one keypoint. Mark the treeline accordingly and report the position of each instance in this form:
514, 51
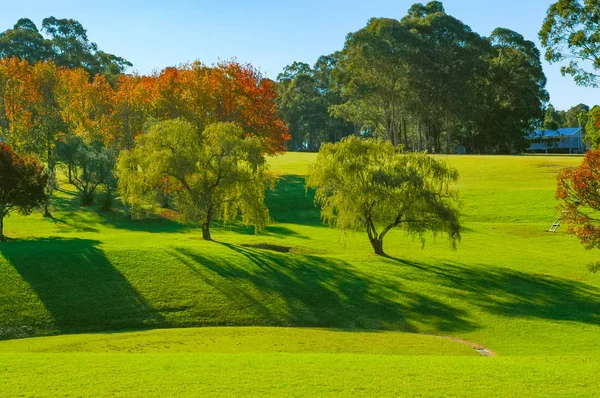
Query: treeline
576, 116
65, 42
427, 82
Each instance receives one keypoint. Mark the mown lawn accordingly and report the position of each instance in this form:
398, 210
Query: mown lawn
511, 286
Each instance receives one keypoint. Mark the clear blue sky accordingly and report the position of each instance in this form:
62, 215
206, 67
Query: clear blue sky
269, 34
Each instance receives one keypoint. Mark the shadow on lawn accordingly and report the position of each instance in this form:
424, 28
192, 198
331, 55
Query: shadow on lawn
511, 293
81, 290
72, 216
291, 203
302, 290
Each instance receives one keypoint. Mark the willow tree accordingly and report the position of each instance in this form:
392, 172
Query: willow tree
216, 175
368, 184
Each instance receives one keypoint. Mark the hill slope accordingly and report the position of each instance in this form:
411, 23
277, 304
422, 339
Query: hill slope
510, 286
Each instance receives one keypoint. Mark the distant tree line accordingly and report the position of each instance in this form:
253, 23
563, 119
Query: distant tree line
576, 116
64, 42
426, 82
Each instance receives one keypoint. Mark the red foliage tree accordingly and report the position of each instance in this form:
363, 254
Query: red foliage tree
225, 92
22, 183
579, 195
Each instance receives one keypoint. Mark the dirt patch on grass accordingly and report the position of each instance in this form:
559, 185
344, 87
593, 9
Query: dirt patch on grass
550, 166
485, 352
274, 248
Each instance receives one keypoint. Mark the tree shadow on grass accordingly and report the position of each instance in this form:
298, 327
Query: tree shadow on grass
81, 290
70, 215
291, 203
302, 290
273, 230
512, 293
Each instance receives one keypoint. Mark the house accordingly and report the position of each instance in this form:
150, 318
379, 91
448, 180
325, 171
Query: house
566, 140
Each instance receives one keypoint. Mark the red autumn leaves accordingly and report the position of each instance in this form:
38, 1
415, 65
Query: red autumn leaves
579, 193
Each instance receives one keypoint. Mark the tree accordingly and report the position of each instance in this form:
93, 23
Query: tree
90, 166
225, 92
22, 184
305, 96
372, 71
592, 127
48, 122
551, 119
71, 48
579, 194
66, 44
24, 41
571, 31
512, 93
216, 175
365, 183
577, 116
18, 98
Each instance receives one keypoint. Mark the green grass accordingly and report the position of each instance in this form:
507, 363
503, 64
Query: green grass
512, 287
289, 375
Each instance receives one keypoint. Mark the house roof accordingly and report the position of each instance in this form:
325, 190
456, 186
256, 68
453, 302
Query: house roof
566, 132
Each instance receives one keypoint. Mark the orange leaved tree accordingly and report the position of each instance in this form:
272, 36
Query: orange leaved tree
579, 195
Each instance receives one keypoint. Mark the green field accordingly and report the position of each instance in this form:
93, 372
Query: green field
309, 310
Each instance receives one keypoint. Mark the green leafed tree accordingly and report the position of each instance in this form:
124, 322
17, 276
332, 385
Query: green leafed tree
577, 116
24, 41
305, 96
90, 166
552, 120
571, 33
367, 184
22, 184
65, 42
215, 175
592, 127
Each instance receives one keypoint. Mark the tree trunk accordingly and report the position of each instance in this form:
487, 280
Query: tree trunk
47, 213
87, 198
206, 231
2, 237
388, 130
50, 185
405, 133
378, 246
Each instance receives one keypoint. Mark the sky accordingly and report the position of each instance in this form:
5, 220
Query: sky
269, 34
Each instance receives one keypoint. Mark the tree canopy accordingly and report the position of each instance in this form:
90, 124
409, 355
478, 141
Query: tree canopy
579, 195
65, 43
305, 96
571, 32
426, 82
22, 184
366, 183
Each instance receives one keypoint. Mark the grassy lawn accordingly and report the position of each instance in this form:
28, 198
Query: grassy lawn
511, 287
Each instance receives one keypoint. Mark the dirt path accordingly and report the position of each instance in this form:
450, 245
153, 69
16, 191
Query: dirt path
485, 352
